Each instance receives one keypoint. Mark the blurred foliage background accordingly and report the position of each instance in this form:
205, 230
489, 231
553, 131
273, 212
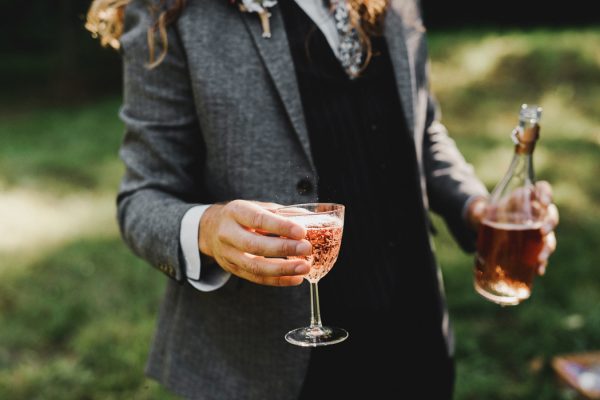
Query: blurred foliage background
77, 309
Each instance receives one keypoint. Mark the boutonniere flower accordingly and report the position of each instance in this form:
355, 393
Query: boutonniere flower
261, 7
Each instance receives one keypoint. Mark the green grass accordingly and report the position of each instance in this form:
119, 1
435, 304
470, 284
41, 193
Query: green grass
77, 324
77, 315
61, 148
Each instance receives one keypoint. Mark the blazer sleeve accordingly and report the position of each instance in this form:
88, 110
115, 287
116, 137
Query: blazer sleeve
162, 148
451, 181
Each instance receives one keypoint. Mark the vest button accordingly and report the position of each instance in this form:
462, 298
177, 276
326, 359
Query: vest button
304, 186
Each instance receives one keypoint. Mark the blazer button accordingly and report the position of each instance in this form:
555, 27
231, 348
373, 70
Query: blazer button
304, 186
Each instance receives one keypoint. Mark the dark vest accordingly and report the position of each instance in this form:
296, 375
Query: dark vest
363, 153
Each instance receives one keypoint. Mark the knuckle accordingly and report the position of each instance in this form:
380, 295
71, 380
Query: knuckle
250, 246
222, 235
258, 219
284, 270
235, 203
234, 207
545, 185
254, 267
278, 281
288, 248
233, 268
273, 281
283, 225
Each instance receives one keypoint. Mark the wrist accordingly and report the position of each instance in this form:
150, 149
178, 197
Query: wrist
205, 229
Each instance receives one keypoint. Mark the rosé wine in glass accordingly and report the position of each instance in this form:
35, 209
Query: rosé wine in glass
324, 223
324, 233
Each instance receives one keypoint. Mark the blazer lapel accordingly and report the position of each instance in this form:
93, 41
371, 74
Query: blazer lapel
276, 55
403, 65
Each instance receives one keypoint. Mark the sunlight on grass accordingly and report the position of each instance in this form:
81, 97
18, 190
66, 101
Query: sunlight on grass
563, 119
480, 87
34, 223
475, 60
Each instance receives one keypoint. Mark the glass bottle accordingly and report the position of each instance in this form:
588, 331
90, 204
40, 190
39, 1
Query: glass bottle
510, 237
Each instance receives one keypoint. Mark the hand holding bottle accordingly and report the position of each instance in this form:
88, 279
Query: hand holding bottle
543, 209
516, 228
550, 217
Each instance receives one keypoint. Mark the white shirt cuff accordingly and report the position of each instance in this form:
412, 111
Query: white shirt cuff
213, 277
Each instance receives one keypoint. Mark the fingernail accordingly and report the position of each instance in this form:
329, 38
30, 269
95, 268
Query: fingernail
303, 248
302, 269
297, 232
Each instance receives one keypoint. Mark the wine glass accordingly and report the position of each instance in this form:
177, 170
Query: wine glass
324, 223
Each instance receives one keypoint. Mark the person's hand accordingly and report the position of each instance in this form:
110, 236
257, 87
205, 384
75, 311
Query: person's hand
548, 213
542, 207
248, 240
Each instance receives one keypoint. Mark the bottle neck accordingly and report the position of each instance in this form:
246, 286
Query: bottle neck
525, 148
518, 178
511, 200
525, 136
521, 166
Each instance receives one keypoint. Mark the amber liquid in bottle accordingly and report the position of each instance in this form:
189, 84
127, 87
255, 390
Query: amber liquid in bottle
507, 260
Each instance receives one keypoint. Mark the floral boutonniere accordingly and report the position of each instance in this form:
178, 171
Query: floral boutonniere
261, 7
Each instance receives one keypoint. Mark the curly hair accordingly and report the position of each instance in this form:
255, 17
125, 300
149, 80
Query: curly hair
367, 18
105, 21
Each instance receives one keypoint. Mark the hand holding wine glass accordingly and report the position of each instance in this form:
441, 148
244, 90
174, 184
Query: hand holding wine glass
248, 240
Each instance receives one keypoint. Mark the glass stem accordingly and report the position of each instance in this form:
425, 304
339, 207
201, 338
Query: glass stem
315, 312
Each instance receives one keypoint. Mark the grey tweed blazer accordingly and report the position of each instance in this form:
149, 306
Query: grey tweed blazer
221, 119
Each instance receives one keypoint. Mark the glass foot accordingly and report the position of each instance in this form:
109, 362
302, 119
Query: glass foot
314, 336
503, 299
